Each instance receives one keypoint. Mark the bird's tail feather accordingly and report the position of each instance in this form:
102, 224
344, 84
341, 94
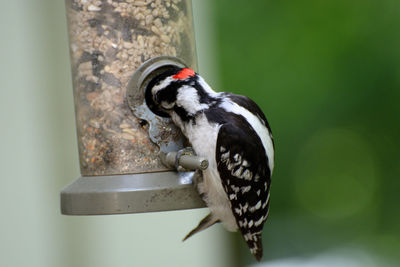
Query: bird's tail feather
255, 245
203, 224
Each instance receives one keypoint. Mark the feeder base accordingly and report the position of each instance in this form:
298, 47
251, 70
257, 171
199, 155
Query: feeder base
133, 193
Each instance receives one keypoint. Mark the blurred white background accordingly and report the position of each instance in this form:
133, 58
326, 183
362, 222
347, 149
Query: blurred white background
39, 156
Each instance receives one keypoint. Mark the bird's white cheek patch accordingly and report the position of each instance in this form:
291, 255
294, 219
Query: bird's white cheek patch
167, 105
188, 99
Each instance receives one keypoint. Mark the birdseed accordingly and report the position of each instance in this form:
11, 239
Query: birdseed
109, 40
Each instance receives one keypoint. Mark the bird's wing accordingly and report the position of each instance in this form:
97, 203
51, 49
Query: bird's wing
245, 175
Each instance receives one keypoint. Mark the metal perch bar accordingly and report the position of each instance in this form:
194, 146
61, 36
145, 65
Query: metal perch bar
188, 162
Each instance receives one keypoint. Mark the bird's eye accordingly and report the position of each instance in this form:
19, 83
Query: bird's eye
155, 98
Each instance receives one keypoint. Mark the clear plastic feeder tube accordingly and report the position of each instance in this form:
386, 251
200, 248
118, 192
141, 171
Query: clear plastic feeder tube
120, 164
109, 40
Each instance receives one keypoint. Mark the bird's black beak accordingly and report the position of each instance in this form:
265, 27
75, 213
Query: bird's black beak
154, 106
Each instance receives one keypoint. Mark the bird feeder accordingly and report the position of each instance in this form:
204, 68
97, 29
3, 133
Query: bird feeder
126, 150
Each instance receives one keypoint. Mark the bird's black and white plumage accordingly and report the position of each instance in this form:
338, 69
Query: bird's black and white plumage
230, 131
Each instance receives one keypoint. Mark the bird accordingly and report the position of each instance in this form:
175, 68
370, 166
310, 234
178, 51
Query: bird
233, 134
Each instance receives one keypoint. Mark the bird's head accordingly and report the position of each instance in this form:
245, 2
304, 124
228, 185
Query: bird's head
178, 90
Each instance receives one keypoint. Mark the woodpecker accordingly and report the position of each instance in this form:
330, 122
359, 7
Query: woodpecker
231, 132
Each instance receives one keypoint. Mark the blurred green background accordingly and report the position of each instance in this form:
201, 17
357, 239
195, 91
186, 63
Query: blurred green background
326, 73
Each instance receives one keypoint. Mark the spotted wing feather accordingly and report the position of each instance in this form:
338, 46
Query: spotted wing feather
245, 175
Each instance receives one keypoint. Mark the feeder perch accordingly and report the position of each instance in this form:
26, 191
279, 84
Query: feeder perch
126, 151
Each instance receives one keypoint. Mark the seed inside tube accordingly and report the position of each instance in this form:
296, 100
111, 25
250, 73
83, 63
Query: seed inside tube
109, 40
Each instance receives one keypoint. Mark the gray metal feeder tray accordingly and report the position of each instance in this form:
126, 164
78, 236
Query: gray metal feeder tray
148, 192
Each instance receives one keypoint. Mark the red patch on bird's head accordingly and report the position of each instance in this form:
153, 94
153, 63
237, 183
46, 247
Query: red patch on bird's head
184, 73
